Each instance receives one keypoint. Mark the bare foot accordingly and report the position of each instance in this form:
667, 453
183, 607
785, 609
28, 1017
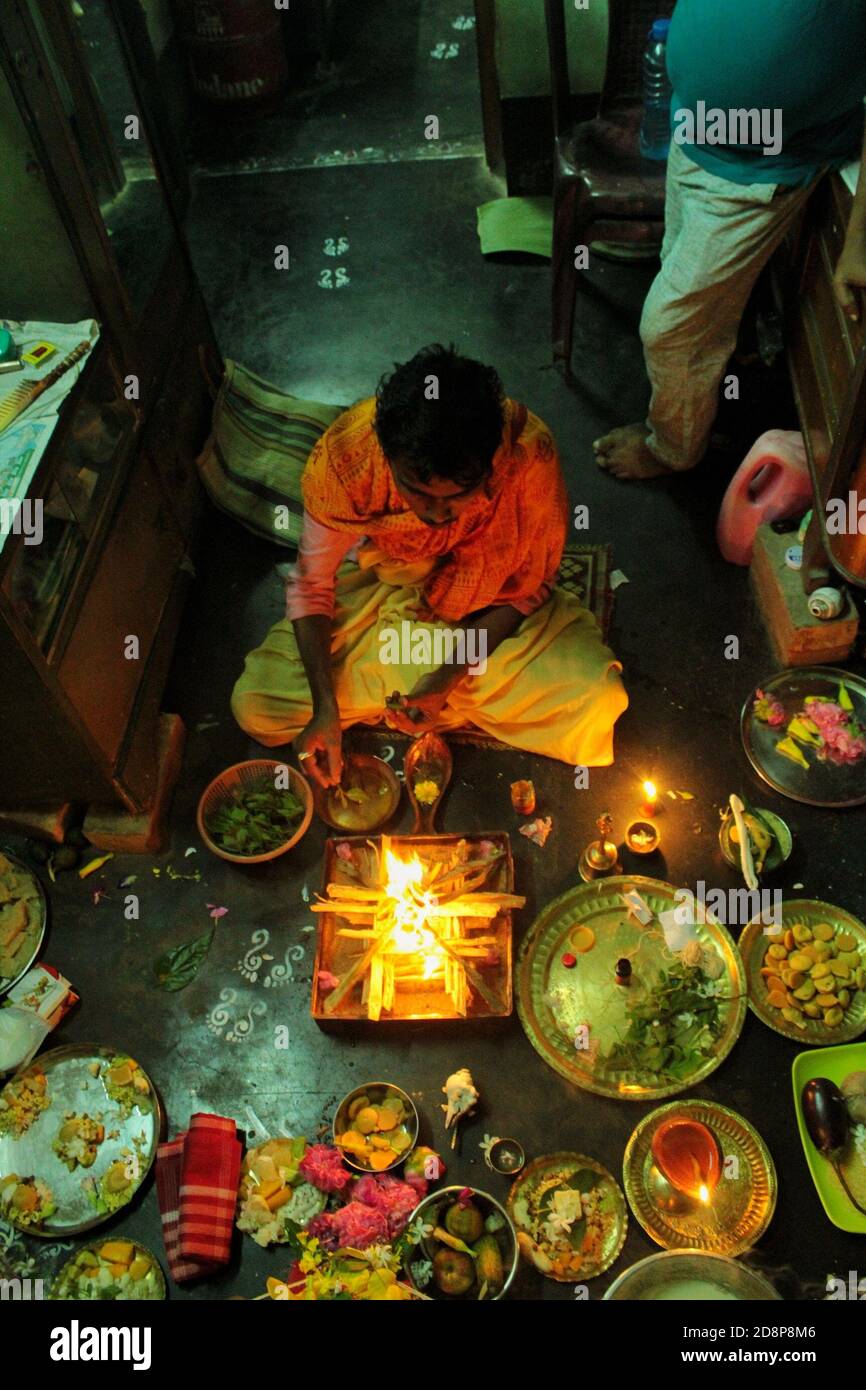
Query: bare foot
624, 454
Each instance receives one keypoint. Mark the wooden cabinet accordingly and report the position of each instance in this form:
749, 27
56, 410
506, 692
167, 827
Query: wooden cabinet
88, 616
827, 360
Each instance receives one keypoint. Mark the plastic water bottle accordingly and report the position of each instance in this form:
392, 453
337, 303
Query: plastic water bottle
655, 129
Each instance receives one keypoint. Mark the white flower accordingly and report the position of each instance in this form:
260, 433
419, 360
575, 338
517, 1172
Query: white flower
418, 1230
380, 1256
487, 1144
422, 1273
565, 1209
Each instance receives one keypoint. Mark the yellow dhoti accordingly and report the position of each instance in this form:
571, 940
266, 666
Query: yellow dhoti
552, 687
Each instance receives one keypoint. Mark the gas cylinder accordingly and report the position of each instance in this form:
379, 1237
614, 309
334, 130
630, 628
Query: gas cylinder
235, 50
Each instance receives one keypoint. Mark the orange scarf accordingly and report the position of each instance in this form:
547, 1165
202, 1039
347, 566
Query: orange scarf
503, 546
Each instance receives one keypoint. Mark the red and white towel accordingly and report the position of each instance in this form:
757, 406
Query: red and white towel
197, 1184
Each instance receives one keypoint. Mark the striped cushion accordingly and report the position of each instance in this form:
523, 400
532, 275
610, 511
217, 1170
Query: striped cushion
252, 463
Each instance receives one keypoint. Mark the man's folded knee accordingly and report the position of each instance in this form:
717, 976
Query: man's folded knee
270, 719
247, 709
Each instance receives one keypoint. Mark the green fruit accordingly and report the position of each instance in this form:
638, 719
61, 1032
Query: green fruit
488, 1266
424, 1163
453, 1272
466, 1222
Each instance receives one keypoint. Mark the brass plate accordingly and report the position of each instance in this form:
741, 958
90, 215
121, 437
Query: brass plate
540, 1175
35, 932
588, 994
57, 1288
742, 1204
823, 783
753, 947
31, 1154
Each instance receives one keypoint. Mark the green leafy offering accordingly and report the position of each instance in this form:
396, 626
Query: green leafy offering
178, 968
671, 1031
258, 819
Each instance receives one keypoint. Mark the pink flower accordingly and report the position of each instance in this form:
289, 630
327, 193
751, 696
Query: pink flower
323, 1167
360, 1225
327, 981
769, 709
395, 1199
324, 1227
826, 714
843, 747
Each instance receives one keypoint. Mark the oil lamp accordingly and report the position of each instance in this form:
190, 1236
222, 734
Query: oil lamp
686, 1153
600, 856
650, 806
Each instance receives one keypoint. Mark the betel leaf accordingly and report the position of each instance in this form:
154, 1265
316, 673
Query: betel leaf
584, 1180
178, 968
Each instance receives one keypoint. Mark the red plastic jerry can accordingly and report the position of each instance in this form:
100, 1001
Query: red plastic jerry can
771, 484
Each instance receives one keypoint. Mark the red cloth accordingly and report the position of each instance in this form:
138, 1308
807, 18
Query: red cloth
197, 1183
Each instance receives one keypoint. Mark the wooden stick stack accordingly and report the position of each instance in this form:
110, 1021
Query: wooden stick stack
447, 910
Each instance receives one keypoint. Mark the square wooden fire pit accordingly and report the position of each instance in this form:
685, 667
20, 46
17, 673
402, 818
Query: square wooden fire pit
388, 947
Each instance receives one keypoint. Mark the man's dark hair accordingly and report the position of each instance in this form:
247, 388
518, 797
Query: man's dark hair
455, 434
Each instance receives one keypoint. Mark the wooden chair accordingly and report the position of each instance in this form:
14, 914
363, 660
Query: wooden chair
604, 190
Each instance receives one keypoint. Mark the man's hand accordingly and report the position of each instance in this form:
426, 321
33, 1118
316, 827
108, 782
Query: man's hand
851, 272
420, 709
322, 742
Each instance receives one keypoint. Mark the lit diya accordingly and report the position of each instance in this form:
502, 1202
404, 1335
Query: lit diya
687, 1155
697, 1141
650, 806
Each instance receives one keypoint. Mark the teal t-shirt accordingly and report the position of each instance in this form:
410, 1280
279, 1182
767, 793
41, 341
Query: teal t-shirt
786, 77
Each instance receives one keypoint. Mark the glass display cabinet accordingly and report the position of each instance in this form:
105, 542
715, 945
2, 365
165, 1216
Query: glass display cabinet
827, 360
91, 232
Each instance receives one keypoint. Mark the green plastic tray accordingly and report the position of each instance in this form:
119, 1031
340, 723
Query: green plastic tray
835, 1063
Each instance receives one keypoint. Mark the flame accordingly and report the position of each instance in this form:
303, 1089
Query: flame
401, 874
409, 934
649, 791
704, 1192
431, 963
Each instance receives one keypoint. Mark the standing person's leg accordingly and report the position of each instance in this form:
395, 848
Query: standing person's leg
721, 237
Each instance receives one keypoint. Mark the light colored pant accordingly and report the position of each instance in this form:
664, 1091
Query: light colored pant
718, 237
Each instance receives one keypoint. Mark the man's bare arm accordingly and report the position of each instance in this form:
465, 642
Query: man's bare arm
322, 737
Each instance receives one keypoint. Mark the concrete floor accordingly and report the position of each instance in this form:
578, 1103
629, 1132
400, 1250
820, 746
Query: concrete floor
415, 275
